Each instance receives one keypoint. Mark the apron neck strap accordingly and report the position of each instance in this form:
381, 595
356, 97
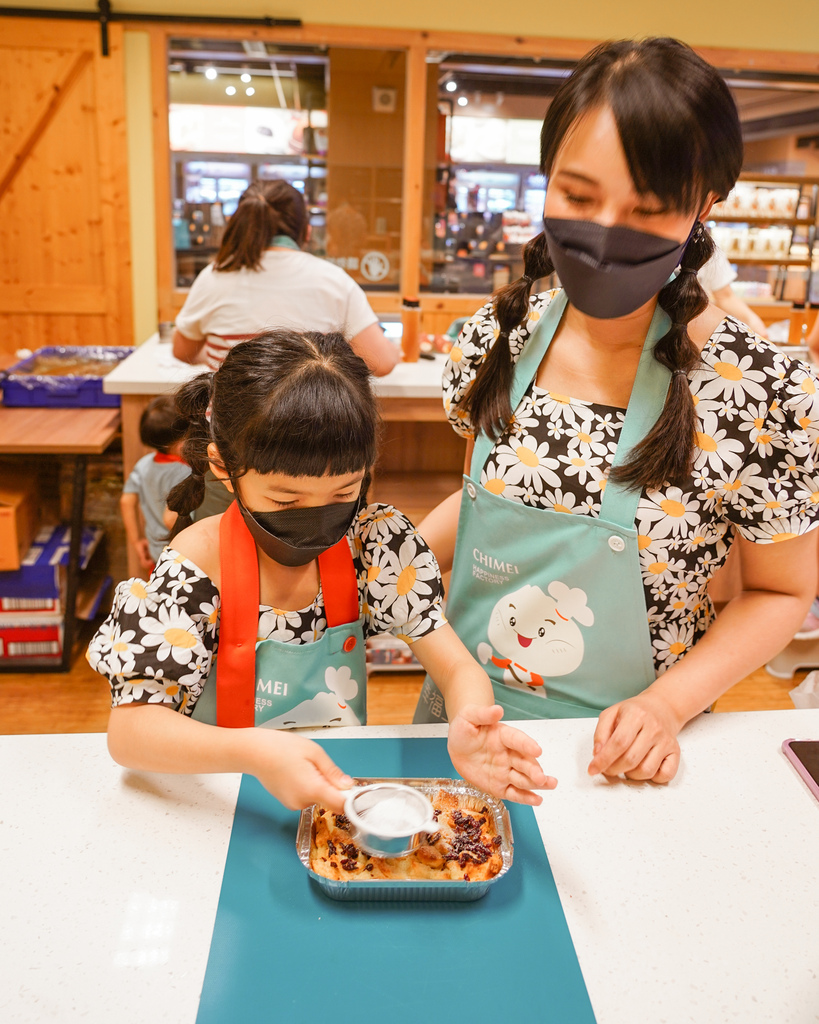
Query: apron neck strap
645, 405
339, 584
283, 242
525, 371
646, 402
239, 623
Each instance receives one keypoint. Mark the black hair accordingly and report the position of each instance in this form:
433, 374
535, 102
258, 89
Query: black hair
265, 209
282, 402
680, 132
161, 424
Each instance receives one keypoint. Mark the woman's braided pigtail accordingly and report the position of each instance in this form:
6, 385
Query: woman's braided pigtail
487, 399
192, 401
666, 453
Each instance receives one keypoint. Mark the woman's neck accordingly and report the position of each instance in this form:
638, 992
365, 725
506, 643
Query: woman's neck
626, 333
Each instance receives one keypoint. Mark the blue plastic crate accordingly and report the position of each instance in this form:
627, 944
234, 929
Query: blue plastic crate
23, 386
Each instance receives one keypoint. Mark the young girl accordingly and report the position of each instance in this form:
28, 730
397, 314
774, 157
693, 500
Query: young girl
259, 617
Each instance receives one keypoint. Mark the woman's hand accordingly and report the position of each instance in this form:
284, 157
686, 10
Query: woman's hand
297, 771
496, 758
637, 738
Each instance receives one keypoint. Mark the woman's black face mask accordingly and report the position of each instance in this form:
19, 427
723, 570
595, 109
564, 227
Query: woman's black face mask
296, 536
609, 272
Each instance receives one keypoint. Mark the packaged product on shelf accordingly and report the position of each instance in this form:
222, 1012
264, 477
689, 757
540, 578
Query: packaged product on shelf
389, 654
41, 570
23, 636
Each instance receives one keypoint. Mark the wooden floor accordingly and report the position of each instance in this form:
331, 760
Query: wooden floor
78, 701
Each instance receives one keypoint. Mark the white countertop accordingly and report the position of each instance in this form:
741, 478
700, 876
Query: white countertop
696, 902
153, 370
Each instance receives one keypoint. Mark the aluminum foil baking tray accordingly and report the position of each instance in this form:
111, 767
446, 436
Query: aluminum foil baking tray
388, 889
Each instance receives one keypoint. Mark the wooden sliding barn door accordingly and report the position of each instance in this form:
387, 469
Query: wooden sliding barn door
64, 230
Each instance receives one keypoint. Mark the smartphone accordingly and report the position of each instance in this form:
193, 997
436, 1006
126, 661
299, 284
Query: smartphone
804, 755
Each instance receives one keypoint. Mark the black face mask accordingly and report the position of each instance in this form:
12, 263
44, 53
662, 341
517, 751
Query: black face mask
296, 536
609, 272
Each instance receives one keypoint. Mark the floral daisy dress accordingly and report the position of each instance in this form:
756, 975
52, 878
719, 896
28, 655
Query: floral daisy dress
755, 472
157, 644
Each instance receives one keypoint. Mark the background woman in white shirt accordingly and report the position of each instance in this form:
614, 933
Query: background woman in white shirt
261, 280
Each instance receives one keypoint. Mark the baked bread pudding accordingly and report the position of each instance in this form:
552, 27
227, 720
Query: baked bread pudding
466, 847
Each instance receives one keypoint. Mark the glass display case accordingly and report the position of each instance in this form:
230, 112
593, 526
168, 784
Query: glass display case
243, 112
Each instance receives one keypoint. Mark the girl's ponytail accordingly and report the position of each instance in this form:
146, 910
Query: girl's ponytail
488, 398
248, 233
192, 401
666, 453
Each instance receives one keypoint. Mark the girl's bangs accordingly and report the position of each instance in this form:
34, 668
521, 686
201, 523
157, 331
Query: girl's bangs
303, 437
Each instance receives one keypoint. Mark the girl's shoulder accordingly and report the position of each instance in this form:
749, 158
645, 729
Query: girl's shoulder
382, 532
199, 544
377, 518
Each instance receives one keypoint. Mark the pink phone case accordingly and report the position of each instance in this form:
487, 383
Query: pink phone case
791, 755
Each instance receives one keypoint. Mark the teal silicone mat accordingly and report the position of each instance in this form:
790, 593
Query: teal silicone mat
283, 951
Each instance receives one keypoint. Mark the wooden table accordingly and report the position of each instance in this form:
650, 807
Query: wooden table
64, 432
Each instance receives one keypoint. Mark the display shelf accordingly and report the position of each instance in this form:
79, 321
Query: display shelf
791, 217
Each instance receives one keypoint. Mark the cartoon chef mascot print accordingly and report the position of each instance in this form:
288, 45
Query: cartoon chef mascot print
533, 635
328, 707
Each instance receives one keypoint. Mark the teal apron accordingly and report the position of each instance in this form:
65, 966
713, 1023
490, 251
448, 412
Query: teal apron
552, 603
275, 684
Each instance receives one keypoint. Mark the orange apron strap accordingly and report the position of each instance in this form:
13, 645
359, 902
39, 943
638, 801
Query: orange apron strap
339, 584
239, 625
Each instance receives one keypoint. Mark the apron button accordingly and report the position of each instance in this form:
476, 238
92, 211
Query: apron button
349, 644
470, 490
616, 543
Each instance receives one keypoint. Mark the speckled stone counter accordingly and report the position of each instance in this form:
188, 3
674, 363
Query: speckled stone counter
696, 902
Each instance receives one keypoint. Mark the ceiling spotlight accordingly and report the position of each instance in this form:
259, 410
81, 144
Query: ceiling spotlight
250, 91
231, 90
210, 73
451, 86
462, 101
245, 78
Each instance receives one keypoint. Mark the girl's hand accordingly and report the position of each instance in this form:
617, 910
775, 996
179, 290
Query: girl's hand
496, 758
637, 738
297, 771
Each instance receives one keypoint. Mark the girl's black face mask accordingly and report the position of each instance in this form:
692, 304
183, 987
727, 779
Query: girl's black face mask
296, 536
609, 272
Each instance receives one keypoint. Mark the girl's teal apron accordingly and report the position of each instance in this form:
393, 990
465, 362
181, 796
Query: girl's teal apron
277, 684
552, 603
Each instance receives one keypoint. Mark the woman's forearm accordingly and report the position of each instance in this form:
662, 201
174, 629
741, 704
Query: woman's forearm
750, 630
440, 528
185, 349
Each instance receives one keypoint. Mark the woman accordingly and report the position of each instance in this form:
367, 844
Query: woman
666, 430
261, 279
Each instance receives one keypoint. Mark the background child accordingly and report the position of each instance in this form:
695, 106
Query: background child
289, 423
152, 479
